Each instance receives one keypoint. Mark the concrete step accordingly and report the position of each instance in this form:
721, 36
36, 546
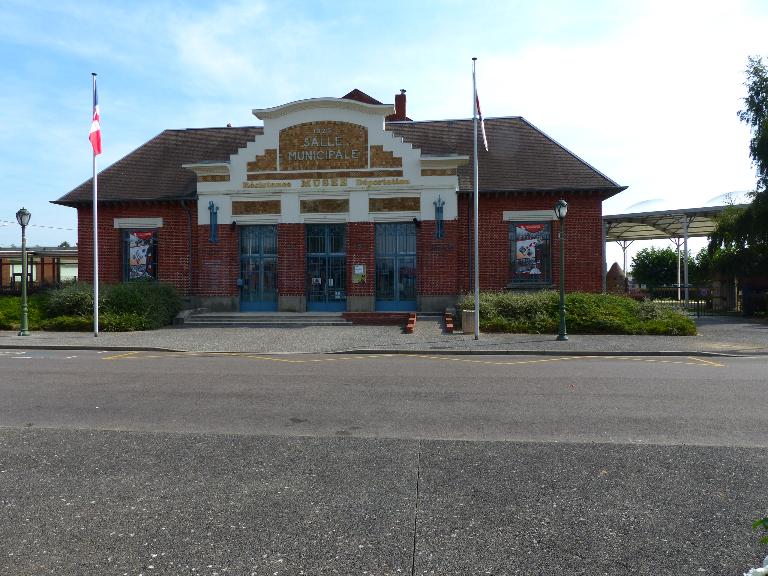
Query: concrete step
377, 318
263, 319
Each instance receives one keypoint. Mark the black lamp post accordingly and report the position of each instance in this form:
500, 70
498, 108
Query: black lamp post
561, 209
22, 217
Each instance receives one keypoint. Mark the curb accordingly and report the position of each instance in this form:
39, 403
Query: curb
444, 352
89, 347
397, 351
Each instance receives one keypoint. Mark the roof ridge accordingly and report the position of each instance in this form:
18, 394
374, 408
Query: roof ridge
568, 151
215, 128
453, 120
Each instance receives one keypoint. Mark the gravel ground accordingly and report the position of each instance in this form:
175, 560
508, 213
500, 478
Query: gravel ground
716, 335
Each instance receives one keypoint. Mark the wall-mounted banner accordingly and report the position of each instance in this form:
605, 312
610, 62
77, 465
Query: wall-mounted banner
141, 255
358, 274
531, 243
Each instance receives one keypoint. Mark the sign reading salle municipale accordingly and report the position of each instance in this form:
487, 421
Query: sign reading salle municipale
317, 149
324, 145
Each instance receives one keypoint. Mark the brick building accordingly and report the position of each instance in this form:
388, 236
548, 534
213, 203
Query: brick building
343, 204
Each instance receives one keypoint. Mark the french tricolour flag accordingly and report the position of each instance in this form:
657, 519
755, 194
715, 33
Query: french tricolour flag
95, 134
482, 122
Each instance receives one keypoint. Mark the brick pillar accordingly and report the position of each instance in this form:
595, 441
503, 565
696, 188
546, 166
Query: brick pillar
217, 267
110, 246
291, 268
464, 236
437, 260
361, 240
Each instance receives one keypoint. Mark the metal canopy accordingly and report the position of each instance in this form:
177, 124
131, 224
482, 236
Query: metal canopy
662, 224
675, 225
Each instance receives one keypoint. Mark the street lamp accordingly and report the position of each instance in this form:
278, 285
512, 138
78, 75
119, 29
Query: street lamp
561, 209
22, 217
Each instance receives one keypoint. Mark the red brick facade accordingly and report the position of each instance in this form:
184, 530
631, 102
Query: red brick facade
443, 264
173, 243
583, 248
361, 243
217, 264
291, 259
437, 259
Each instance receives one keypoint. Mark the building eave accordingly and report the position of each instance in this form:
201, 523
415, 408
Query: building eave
314, 103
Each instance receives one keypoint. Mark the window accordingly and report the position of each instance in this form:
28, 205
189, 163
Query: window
529, 249
140, 255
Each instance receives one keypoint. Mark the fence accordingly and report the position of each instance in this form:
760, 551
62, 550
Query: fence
14, 288
754, 300
702, 301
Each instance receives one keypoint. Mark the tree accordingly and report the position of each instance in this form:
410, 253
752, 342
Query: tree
755, 114
656, 267
65, 244
745, 230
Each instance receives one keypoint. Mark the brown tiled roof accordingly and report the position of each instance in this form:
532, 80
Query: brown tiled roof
520, 157
360, 96
154, 171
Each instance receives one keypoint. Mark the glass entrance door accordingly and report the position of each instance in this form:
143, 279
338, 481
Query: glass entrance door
396, 266
258, 268
326, 267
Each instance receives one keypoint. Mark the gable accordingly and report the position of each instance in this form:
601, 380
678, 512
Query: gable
327, 149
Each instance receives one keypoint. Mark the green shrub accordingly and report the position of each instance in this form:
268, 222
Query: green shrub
123, 322
108, 322
586, 313
73, 299
6, 323
10, 311
601, 314
157, 304
529, 312
122, 307
68, 324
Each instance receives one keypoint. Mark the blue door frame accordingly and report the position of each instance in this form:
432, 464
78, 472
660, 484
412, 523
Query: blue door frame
326, 267
396, 266
258, 268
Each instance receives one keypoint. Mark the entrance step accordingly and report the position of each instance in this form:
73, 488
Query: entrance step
264, 320
377, 318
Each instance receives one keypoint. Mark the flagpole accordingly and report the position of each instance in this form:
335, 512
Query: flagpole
95, 237
477, 204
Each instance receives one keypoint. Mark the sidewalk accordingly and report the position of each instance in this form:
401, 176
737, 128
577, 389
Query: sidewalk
717, 335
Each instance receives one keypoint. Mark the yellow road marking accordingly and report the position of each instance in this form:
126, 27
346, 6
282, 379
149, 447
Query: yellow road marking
707, 362
689, 361
119, 356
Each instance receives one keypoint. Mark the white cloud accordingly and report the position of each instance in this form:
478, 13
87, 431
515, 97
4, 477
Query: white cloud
647, 91
653, 104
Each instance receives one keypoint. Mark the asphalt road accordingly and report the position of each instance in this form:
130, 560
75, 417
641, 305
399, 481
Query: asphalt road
683, 400
147, 463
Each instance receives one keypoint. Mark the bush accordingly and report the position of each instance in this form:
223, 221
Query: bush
538, 312
5, 322
74, 299
123, 322
123, 307
156, 304
108, 322
68, 324
527, 312
10, 311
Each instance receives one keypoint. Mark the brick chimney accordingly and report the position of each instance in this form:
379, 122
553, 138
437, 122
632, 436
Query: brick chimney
399, 108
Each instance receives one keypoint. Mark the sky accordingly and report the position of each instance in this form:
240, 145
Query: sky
645, 91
